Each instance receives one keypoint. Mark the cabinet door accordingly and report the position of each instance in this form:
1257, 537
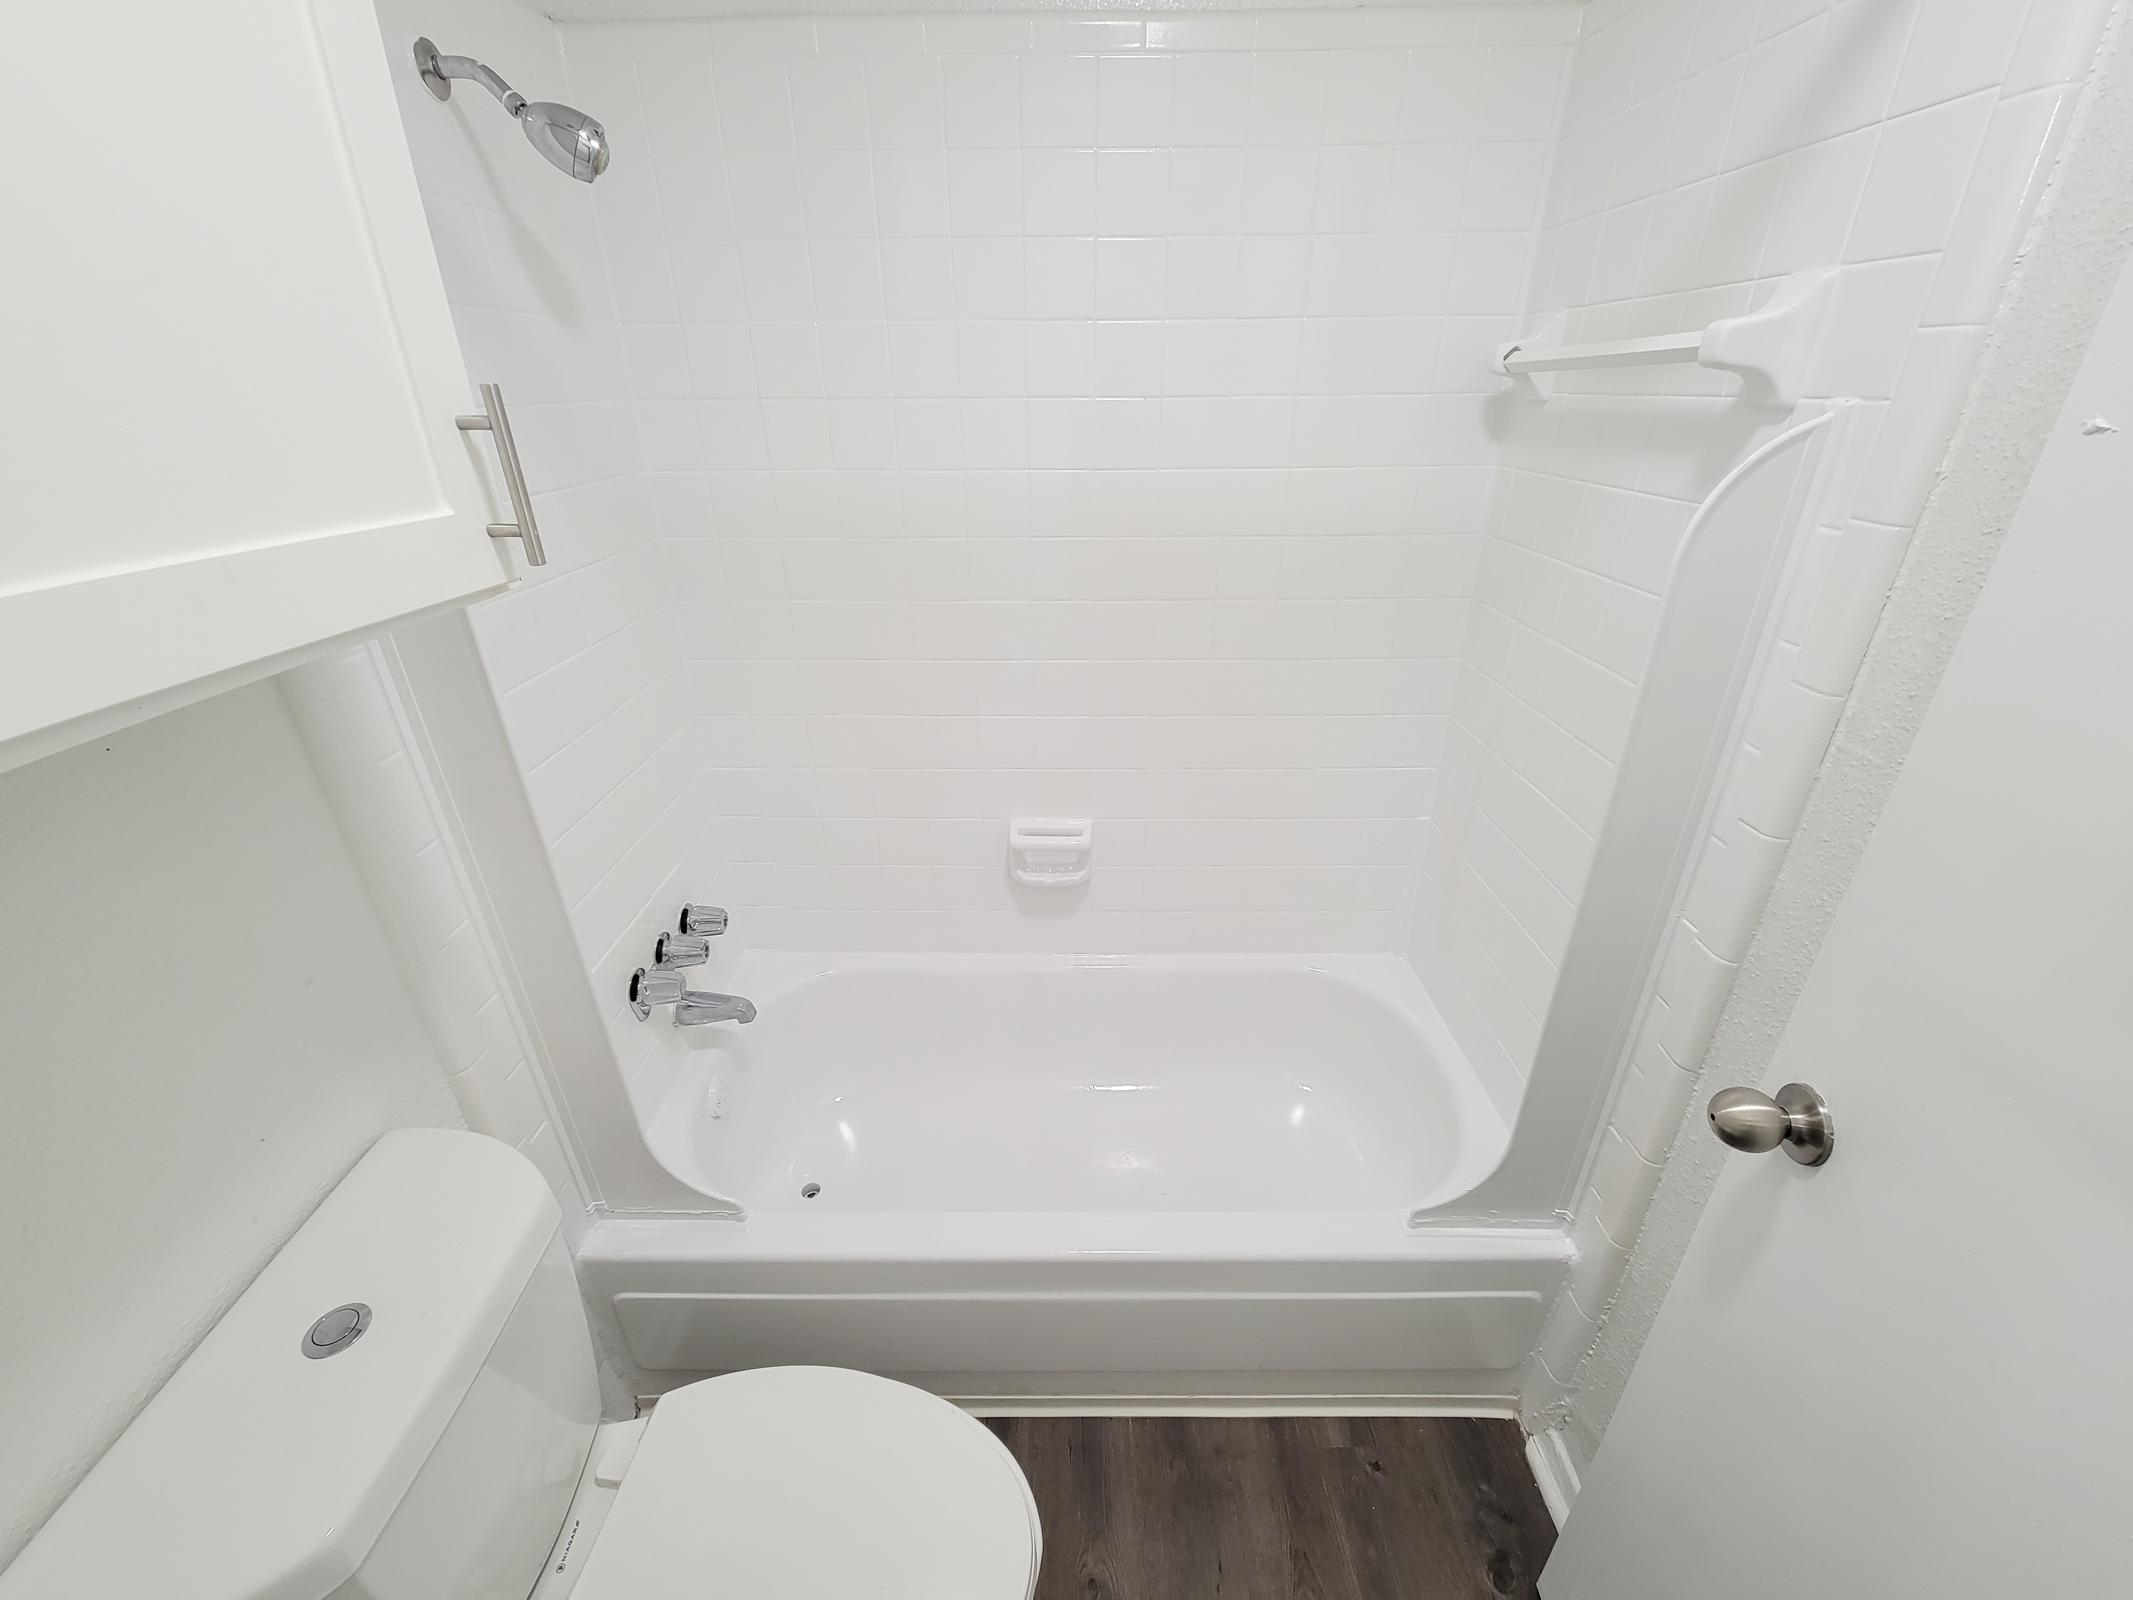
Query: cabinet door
229, 374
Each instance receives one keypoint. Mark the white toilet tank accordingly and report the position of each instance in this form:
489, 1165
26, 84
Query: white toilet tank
431, 1456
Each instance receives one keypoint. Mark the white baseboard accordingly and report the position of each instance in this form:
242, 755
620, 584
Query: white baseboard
1431, 1404
1555, 1470
1441, 1393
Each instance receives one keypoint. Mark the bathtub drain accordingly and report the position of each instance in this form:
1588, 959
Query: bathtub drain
809, 1190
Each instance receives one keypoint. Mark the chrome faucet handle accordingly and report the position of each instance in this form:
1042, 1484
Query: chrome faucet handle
654, 986
705, 921
681, 950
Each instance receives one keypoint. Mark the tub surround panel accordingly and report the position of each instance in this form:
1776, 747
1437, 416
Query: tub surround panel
1080, 417
1171, 327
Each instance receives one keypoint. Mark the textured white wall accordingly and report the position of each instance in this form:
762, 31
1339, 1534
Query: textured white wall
204, 1029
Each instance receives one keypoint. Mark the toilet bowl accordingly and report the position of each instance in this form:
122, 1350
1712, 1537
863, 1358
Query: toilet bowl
815, 1481
404, 1406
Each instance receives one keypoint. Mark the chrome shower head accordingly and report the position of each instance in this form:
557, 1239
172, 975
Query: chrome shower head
566, 137
572, 141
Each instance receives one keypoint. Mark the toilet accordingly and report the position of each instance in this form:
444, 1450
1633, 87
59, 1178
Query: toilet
403, 1406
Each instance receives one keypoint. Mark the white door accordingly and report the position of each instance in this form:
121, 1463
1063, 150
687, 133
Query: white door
1902, 1374
229, 373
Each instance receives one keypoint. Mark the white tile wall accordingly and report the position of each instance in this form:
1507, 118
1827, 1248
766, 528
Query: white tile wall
1707, 148
1063, 414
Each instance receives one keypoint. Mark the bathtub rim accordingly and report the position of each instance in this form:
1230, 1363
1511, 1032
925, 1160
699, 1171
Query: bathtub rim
1130, 1240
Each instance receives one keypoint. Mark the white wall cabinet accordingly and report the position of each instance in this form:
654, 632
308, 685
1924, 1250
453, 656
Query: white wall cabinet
229, 375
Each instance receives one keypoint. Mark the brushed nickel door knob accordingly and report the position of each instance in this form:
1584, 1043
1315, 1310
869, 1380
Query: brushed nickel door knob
1796, 1117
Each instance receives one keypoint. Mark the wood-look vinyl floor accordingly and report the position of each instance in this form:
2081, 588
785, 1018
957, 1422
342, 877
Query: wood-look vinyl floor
1281, 1508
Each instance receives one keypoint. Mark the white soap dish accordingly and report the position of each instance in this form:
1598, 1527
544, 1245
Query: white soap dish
1050, 852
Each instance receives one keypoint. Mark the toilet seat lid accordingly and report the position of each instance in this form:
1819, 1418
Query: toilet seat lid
815, 1483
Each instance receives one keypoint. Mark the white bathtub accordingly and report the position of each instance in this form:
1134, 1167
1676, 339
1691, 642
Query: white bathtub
1018, 1174
954, 1084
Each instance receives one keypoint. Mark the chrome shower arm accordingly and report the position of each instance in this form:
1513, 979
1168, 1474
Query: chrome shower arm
485, 75
439, 70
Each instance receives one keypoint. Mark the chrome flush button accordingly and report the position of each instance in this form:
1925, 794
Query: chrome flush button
336, 1331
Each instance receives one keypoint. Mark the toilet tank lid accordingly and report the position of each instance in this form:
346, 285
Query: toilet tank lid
259, 1472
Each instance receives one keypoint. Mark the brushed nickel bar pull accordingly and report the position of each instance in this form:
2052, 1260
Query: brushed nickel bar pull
493, 418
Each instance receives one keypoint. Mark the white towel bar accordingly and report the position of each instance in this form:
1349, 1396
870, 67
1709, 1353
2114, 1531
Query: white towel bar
1768, 347
1652, 352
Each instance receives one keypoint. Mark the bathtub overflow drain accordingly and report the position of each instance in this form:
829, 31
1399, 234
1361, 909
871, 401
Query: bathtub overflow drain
809, 1190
